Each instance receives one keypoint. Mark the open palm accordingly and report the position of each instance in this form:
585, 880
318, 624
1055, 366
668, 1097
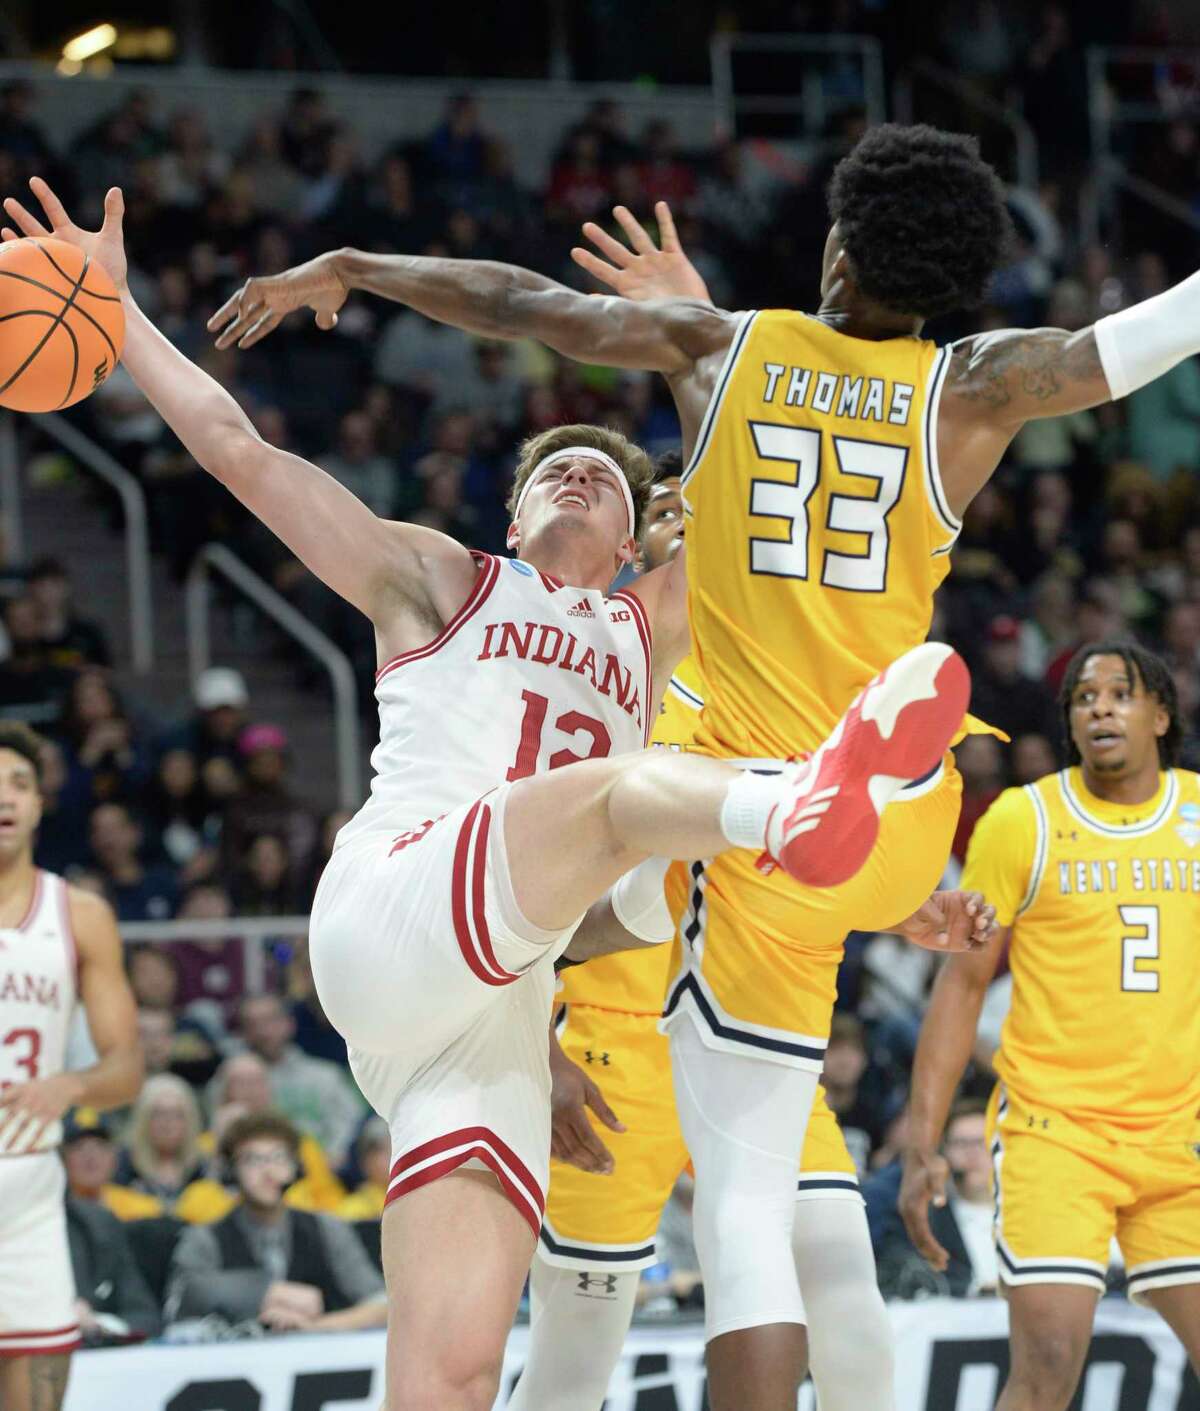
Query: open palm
645, 271
106, 246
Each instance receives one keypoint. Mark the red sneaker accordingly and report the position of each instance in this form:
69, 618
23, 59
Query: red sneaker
896, 730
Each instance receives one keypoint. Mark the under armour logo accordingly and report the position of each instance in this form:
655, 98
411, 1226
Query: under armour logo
1043, 1122
601, 1058
606, 1283
1073, 835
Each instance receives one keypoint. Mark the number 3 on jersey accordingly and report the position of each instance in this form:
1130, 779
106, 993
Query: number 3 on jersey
865, 515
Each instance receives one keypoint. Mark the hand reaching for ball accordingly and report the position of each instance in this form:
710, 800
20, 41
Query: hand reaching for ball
106, 246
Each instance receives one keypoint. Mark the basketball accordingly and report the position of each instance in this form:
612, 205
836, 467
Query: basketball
61, 325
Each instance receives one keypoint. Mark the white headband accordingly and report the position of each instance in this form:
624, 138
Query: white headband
592, 454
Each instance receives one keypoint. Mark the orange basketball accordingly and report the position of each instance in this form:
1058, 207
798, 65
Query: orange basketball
62, 326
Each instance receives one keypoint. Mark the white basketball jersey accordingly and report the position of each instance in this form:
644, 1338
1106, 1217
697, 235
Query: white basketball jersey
37, 990
528, 675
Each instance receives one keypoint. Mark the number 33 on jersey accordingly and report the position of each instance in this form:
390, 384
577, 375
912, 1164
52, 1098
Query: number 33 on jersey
817, 515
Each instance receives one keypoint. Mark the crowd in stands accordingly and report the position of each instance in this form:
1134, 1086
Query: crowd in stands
1091, 529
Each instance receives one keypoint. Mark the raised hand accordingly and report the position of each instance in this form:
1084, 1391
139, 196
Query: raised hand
950, 921
645, 271
106, 246
261, 305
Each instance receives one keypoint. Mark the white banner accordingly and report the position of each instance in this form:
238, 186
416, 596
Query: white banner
952, 1356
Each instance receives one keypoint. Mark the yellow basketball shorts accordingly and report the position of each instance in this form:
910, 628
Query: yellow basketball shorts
756, 957
611, 1220
1062, 1192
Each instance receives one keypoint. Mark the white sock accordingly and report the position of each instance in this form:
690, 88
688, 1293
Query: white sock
748, 804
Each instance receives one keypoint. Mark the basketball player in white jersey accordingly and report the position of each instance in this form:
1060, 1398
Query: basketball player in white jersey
58, 947
478, 858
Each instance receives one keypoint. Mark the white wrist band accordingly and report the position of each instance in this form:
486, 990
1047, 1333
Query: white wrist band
1140, 343
640, 904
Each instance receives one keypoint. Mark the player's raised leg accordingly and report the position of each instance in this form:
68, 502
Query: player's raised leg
455, 1255
1050, 1327
571, 833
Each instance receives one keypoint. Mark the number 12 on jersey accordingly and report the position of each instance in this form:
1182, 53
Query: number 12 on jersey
875, 462
572, 723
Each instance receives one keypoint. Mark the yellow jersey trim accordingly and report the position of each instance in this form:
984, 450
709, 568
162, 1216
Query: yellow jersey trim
1079, 810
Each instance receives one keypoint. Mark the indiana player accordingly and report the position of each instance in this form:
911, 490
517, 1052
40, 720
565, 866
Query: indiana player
1095, 1122
58, 947
478, 856
605, 1202
830, 461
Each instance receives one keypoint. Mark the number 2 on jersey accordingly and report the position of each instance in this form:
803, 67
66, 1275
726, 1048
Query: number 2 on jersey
1139, 948
27, 1062
572, 723
864, 515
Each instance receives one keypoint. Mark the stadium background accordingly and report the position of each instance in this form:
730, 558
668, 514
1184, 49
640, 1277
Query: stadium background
206, 741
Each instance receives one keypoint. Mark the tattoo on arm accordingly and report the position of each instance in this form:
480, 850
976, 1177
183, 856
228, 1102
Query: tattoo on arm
1023, 370
48, 1381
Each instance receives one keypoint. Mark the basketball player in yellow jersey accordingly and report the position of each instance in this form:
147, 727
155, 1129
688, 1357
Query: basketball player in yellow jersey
1095, 873
605, 1203
830, 460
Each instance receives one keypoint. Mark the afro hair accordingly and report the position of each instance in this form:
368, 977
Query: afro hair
922, 218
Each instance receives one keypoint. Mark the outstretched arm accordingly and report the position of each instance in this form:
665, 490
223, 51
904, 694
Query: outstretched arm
485, 298
384, 569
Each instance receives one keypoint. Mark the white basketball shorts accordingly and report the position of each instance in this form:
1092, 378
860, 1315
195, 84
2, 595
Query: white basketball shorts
443, 991
37, 1287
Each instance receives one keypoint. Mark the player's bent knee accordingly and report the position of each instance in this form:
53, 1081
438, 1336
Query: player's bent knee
1046, 1365
446, 1387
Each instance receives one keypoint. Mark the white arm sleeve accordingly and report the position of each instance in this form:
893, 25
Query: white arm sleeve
639, 904
1141, 343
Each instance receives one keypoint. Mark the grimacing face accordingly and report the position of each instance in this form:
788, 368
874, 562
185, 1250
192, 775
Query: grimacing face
576, 496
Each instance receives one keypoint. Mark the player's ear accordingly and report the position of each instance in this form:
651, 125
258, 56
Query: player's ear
629, 551
513, 539
1162, 721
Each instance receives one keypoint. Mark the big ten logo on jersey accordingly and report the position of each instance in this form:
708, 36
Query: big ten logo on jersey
836, 393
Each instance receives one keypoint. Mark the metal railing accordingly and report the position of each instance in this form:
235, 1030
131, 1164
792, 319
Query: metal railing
1107, 114
1026, 157
133, 504
811, 102
252, 931
216, 558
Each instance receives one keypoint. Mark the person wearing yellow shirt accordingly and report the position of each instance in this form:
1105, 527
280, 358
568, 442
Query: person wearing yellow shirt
374, 1150
1095, 1122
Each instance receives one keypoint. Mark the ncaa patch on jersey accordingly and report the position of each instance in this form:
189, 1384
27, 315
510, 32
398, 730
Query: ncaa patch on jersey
1189, 829
521, 567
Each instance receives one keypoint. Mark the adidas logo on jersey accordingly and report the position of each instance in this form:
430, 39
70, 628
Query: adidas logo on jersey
581, 609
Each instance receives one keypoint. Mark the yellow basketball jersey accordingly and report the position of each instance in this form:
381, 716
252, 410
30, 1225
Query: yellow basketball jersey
1104, 901
817, 527
635, 981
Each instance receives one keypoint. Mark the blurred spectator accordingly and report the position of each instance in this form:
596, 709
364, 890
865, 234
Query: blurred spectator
1098, 618
359, 466
20, 135
981, 764
105, 760
210, 971
70, 640
860, 1117
243, 1085
181, 820
373, 1150
32, 688
306, 131
331, 825
266, 1262
90, 1157
114, 1303
313, 1094
1001, 694
962, 1226
676, 1248
274, 180
455, 148
153, 976
421, 357
580, 188
156, 1029
1033, 757
263, 885
1122, 562
163, 1153
137, 892
191, 166
314, 1033
221, 699
266, 803
1051, 625
62, 835
663, 175
393, 222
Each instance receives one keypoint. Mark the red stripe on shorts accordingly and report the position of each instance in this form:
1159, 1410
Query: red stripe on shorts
478, 954
485, 1146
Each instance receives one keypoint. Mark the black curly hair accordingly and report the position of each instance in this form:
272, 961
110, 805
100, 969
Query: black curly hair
1154, 674
922, 218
